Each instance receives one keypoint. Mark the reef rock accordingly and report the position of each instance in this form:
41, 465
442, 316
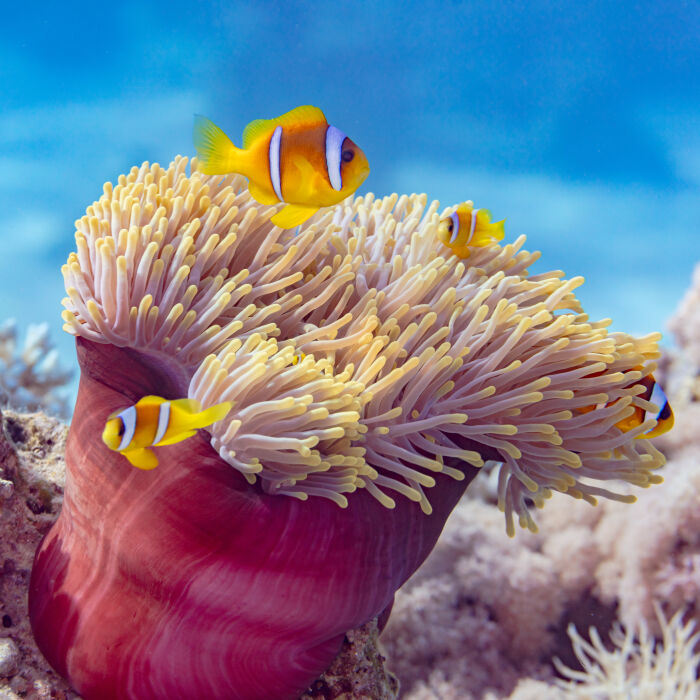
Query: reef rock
32, 474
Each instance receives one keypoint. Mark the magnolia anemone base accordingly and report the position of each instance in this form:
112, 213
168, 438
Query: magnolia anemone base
186, 582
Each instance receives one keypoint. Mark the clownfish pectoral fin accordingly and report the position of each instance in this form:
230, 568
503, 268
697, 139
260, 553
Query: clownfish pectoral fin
216, 152
462, 252
178, 437
293, 215
261, 195
261, 128
142, 457
310, 178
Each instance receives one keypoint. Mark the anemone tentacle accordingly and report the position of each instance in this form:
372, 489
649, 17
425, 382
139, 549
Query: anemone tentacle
370, 375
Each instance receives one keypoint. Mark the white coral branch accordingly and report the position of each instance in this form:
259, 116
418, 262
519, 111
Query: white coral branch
30, 375
638, 666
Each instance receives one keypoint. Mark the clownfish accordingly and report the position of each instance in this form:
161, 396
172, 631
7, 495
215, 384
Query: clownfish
469, 228
653, 393
154, 422
298, 158
664, 417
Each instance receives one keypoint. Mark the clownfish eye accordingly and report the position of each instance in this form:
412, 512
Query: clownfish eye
450, 226
120, 432
348, 155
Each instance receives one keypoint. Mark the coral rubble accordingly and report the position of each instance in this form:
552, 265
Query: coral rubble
32, 470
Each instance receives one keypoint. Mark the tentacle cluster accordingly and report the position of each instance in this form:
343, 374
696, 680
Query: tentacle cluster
411, 356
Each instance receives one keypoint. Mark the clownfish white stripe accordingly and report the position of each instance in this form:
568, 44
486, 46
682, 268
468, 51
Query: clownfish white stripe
334, 145
659, 398
128, 417
455, 226
473, 226
163, 421
274, 158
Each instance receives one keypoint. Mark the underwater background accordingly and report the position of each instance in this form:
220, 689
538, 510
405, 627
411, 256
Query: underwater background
577, 123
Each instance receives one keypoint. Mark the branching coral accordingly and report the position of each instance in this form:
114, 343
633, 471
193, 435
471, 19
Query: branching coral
30, 376
638, 666
366, 371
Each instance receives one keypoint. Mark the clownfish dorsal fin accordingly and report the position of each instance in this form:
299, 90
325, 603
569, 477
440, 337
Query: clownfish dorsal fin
306, 115
150, 400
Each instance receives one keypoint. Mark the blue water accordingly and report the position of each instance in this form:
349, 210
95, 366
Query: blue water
577, 122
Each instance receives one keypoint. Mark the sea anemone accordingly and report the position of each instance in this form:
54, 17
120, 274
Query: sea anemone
370, 372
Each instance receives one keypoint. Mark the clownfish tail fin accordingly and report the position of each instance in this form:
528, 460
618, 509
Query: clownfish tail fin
216, 153
485, 232
497, 230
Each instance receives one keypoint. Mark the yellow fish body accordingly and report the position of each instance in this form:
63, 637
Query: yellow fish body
298, 158
468, 228
154, 422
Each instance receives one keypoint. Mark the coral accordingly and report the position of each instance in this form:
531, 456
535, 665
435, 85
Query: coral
685, 323
331, 478
30, 376
613, 561
358, 670
32, 475
638, 666
651, 553
479, 613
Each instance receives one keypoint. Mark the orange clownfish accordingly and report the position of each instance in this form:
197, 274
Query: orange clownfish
664, 417
653, 393
155, 421
469, 228
298, 158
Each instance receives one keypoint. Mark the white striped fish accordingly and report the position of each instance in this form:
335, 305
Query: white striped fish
468, 228
154, 422
299, 159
